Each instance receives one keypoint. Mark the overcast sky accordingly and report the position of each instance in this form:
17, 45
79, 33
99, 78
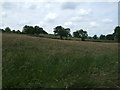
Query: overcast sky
94, 17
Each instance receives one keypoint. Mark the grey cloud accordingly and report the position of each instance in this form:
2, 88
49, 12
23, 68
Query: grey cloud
8, 5
70, 5
32, 7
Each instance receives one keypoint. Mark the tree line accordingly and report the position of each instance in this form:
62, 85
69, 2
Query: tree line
65, 32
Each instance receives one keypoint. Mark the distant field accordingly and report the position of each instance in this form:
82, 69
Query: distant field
34, 62
74, 38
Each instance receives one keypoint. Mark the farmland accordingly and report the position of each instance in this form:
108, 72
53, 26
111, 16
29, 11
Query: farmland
36, 62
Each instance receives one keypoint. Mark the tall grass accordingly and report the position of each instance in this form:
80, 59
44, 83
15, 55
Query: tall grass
33, 62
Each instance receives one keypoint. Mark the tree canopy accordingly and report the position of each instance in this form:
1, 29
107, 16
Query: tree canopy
7, 29
65, 32
33, 30
110, 37
61, 31
102, 37
81, 34
117, 33
95, 37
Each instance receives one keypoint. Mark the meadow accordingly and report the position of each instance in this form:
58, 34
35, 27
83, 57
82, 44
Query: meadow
36, 62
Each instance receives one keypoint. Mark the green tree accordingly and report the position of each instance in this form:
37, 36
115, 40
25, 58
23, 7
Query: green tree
102, 37
76, 34
95, 37
44, 32
28, 29
110, 37
89, 37
67, 32
7, 29
13, 31
117, 33
81, 34
18, 32
38, 30
62, 32
2, 30
33, 30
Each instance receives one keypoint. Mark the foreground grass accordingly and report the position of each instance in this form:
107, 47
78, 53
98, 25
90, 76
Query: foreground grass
33, 62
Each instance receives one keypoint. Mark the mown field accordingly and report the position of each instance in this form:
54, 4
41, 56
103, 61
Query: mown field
34, 62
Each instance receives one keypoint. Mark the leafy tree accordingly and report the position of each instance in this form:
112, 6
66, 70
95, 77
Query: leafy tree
28, 29
13, 31
44, 32
110, 37
2, 30
38, 30
67, 32
25, 29
117, 33
33, 30
102, 37
76, 34
81, 34
89, 37
18, 32
69, 35
7, 29
62, 32
95, 37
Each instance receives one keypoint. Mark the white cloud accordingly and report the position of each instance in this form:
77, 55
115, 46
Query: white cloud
107, 20
3, 14
68, 23
84, 12
93, 24
28, 5
41, 23
77, 18
47, 5
24, 22
50, 17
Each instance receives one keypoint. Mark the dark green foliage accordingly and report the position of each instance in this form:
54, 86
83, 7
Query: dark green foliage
89, 37
7, 29
18, 32
62, 32
76, 34
43, 32
2, 30
33, 30
69, 35
81, 34
13, 31
102, 37
39, 30
110, 37
95, 37
117, 33
28, 29
67, 32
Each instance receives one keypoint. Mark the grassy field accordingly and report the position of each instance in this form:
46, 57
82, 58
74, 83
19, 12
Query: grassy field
34, 62
52, 36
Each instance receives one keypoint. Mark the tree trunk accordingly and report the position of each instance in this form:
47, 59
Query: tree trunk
82, 39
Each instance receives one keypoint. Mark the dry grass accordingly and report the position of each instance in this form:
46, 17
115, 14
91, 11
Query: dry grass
40, 62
